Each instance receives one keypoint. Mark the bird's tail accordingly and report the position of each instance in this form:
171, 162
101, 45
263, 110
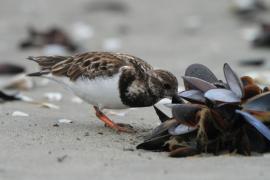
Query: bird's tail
45, 63
40, 73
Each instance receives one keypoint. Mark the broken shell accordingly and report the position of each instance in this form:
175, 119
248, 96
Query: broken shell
20, 114
24, 98
53, 96
66, 121
77, 100
112, 44
49, 105
18, 82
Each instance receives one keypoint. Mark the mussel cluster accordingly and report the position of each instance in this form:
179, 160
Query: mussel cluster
213, 116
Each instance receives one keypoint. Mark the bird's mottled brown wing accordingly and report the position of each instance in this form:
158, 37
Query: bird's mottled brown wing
89, 65
138, 64
94, 64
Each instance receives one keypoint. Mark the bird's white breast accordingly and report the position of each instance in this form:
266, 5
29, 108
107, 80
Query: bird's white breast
102, 92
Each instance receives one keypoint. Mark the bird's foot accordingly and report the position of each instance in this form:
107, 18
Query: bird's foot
122, 127
119, 127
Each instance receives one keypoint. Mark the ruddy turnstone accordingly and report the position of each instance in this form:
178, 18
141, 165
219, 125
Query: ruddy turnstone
109, 80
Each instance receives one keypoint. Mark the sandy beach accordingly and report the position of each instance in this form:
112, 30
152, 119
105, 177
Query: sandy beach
167, 34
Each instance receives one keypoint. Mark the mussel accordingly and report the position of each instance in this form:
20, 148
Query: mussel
214, 116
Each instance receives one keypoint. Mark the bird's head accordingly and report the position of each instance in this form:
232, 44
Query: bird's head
165, 83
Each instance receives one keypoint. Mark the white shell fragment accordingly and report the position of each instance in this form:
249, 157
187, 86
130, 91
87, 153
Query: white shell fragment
49, 105
260, 77
25, 98
245, 4
20, 114
82, 31
112, 44
53, 49
67, 121
250, 33
76, 100
18, 82
53, 96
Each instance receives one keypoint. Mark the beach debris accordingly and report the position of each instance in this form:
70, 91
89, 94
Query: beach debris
260, 77
54, 38
107, 7
248, 7
7, 97
215, 117
86, 134
53, 49
112, 44
55, 125
19, 114
252, 62
62, 158
17, 82
250, 33
262, 38
24, 98
47, 105
82, 31
64, 121
10, 69
53, 96
76, 100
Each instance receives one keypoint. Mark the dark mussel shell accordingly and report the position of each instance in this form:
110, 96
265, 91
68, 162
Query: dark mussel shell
233, 81
177, 100
184, 152
155, 144
196, 83
260, 102
222, 95
161, 115
257, 142
186, 113
7, 97
193, 96
163, 128
202, 72
263, 129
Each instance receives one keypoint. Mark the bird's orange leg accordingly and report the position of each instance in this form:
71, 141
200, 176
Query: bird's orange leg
111, 124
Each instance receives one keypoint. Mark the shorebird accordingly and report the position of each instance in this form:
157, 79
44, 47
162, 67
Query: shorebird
109, 81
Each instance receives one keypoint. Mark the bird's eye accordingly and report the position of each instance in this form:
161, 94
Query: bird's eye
167, 86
